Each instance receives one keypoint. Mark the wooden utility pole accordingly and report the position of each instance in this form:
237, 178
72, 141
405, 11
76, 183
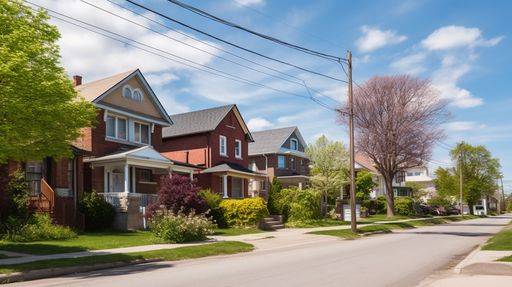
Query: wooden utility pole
353, 224
460, 184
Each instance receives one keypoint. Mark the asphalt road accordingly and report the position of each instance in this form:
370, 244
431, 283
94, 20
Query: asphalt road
398, 259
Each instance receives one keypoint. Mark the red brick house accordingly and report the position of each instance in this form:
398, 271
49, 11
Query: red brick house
215, 140
117, 157
280, 153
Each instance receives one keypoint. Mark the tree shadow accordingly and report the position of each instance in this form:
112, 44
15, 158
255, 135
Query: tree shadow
456, 233
39, 248
125, 270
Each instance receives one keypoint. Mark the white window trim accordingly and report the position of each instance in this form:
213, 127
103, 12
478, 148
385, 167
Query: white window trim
141, 95
116, 137
131, 91
296, 144
225, 152
140, 133
239, 144
278, 157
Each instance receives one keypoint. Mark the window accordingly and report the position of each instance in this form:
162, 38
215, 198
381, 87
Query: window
294, 144
238, 148
222, 146
417, 173
281, 161
145, 175
141, 133
116, 127
410, 174
127, 92
292, 163
132, 94
137, 95
33, 174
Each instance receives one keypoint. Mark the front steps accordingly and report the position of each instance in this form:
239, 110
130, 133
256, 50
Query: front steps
271, 223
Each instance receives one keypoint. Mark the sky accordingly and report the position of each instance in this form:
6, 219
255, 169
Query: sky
463, 47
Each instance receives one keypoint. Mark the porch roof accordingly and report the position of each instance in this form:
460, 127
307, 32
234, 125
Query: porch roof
234, 169
143, 156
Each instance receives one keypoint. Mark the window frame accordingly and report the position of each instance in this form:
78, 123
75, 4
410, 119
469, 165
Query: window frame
116, 136
139, 141
279, 161
140, 93
127, 87
238, 144
223, 139
296, 144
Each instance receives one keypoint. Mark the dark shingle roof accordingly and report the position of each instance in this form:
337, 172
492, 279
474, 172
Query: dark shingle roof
269, 141
196, 121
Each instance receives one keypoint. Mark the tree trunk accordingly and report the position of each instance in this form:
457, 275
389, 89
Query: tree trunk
390, 199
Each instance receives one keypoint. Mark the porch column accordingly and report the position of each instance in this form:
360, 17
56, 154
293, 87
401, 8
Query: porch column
191, 175
126, 178
225, 186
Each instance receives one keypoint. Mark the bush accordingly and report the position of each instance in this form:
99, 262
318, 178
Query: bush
439, 201
404, 206
381, 204
98, 213
299, 204
180, 227
244, 212
273, 195
371, 205
14, 211
216, 213
39, 228
177, 193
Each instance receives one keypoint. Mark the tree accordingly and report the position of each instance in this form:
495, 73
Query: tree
480, 172
417, 189
397, 121
329, 166
364, 185
273, 195
40, 113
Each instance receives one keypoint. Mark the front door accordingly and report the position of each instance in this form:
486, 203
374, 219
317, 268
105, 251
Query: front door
117, 181
237, 187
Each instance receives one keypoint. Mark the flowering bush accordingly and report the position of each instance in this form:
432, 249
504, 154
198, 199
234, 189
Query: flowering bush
179, 194
244, 212
180, 227
40, 227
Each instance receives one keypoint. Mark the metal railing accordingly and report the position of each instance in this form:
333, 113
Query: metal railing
117, 198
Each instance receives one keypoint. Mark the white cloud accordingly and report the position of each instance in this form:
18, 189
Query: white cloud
161, 79
460, 126
250, 2
411, 64
373, 39
450, 37
258, 124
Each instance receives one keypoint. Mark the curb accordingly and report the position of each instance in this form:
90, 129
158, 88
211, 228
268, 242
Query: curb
53, 272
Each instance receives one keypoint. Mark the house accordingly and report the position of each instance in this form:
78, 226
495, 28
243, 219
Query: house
420, 175
280, 153
117, 158
215, 141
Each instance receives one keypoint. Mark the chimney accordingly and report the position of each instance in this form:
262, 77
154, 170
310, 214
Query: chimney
77, 80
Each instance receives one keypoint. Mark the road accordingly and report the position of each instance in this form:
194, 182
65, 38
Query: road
399, 259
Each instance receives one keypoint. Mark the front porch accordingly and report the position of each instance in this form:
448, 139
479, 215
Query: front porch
234, 181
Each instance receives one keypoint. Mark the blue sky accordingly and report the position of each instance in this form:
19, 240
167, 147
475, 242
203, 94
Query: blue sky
462, 46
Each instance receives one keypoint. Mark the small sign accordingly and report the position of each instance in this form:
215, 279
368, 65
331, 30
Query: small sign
347, 214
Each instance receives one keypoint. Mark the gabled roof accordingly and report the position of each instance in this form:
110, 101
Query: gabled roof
234, 168
142, 153
271, 141
362, 161
96, 90
201, 121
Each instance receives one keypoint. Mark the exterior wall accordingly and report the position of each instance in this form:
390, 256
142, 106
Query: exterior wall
273, 169
287, 144
232, 130
192, 149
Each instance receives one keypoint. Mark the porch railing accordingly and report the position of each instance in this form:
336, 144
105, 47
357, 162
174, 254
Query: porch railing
119, 199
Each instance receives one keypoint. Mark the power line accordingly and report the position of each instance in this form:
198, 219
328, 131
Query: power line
302, 83
210, 16
233, 44
210, 69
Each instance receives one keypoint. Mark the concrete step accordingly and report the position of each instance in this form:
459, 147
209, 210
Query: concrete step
278, 226
277, 217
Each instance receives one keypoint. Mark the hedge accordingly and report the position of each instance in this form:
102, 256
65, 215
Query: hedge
244, 212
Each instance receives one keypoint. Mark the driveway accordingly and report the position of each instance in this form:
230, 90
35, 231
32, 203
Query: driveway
294, 259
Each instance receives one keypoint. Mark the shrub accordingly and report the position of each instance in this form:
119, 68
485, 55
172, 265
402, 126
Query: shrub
216, 213
244, 212
371, 205
38, 228
98, 213
177, 193
439, 201
273, 194
180, 227
15, 212
404, 206
299, 204
381, 204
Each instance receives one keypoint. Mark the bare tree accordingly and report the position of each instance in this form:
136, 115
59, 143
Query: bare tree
397, 121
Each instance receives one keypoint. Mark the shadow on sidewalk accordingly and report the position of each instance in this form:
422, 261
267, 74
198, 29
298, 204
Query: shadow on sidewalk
456, 233
130, 269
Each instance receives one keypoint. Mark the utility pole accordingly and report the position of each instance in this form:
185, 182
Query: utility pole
353, 224
460, 178
503, 202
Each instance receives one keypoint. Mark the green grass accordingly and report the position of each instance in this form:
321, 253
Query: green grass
383, 217
506, 259
189, 252
234, 231
501, 241
317, 223
86, 241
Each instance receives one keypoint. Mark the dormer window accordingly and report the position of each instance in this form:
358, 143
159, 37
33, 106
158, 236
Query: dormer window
132, 94
294, 144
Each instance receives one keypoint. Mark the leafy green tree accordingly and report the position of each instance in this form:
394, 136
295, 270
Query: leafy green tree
40, 113
364, 185
418, 190
329, 167
273, 195
480, 172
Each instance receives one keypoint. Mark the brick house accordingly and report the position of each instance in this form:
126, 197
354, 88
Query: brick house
117, 157
280, 153
216, 141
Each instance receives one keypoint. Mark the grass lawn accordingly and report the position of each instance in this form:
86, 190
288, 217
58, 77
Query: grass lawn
382, 217
317, 223
234, 231
86, 241
189, 252
501, 241
506, 259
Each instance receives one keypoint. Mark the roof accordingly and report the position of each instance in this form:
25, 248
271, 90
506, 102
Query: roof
365, 162
200, 121
232, 167
271, 141
96, 90
143, 153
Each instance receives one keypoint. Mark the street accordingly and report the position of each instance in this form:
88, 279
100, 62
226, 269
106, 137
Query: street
399, 259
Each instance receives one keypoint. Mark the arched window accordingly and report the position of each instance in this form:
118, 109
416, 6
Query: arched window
137, 95
127, 92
